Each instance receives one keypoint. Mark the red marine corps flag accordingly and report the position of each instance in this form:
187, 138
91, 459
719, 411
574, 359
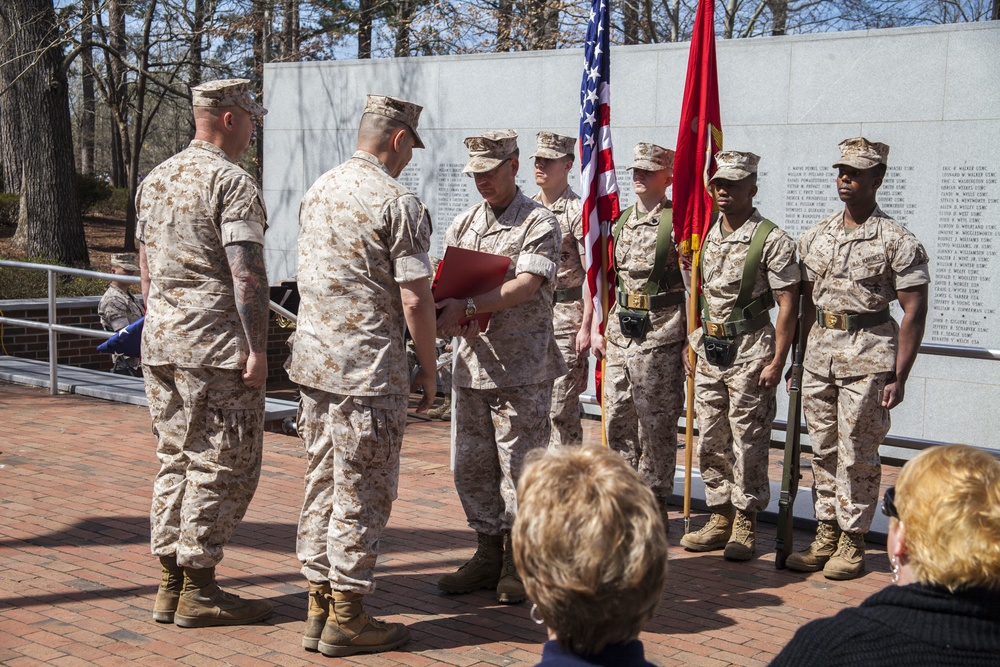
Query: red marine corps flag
598, 184
699, 138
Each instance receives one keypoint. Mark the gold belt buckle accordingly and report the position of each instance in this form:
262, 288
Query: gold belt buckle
834, 321
639, 301
714, 330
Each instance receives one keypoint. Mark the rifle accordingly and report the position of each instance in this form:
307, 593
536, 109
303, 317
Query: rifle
793, 431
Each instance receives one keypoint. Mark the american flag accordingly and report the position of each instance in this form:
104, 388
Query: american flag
598, 183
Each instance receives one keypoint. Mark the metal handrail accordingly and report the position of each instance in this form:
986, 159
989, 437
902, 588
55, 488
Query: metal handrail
934, 349
54, 329
902, 442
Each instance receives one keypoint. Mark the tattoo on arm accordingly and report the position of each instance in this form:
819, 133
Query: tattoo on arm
246, 262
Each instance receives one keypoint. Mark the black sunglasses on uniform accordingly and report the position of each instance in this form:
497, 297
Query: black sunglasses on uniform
889, 504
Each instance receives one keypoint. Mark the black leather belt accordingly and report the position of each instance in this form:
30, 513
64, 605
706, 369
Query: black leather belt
647, 302
568, 294
851, 321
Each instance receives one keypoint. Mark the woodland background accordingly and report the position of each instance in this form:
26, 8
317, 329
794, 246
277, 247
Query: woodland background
94, 93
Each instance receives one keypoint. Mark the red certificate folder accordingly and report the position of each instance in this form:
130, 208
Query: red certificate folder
469, 273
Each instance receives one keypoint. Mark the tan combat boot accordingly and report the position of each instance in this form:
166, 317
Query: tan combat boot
510, 589
716, 532
350, 629
849, 559
204, 604
741, 542
171, 585
815, 556
319, 610
482, 571
442, 412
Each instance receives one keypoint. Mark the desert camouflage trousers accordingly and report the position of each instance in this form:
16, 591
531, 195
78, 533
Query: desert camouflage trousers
494, 430
352, 474
734, 433
209, 428
566, 390
643, 399
846, 423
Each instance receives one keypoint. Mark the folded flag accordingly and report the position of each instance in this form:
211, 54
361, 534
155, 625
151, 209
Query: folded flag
128, 341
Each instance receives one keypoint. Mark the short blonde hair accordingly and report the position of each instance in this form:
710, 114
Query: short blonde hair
948, 500
590, 545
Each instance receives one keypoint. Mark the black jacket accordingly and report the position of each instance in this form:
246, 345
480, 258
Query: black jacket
904, 625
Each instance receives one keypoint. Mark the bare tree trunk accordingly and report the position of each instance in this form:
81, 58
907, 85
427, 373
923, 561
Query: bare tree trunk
729, 21
197, 47
404, 16
290, 32
366, 14
543, 23
630, 21
117, 163
10, 116
50, 224
674, 12
505, 24
117, 85
261, 55
137, 117
88, 115
779, 15
648, 25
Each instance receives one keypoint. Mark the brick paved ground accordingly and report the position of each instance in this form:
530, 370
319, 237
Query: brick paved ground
77, 581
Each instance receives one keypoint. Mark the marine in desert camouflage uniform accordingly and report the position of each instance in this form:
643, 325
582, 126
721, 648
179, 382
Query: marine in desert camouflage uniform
120, 308
857, 360
201, 222
364, 278
553, 162
735, 399
503, 376
644, 376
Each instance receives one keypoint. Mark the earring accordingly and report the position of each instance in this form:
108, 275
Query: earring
535, 615
894, 564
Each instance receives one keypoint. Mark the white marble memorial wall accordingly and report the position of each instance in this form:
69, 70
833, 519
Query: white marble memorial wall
932, 94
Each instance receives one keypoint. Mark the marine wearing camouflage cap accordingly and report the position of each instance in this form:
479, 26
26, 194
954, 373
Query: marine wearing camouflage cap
226, 93
125, 260
860, 153
489, 150
735, 165
405, 112
650, 157
552, 146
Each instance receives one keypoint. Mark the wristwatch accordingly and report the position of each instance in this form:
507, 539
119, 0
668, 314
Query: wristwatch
470, 307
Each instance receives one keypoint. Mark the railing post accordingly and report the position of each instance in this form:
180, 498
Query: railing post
53, 352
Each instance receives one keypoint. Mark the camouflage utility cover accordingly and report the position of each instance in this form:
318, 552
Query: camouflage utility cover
489, 150
226, 93
405, 112
860, 153
552, 146
650, 157
735, 165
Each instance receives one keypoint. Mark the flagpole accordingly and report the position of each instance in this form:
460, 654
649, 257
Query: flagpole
604, 321
699, 138
598, 185
692, 362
